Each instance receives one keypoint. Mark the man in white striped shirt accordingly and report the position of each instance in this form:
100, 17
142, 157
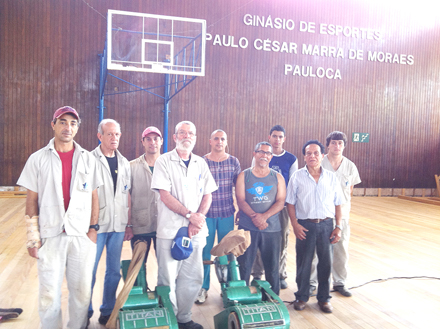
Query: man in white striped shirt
313, 200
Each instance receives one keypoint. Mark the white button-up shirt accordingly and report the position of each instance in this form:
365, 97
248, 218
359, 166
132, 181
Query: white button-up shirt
348, 176
311, 199
43, 174
187, 185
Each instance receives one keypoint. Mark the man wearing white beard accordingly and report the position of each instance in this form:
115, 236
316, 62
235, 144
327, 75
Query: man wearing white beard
184, 183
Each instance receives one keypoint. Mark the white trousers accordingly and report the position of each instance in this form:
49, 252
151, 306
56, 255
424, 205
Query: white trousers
76, 256
184, 277
340, 259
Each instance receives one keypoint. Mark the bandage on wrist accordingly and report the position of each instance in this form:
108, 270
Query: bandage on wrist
33, 232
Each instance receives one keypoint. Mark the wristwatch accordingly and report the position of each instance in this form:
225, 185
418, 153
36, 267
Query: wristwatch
188, 215
339, 227
95, 227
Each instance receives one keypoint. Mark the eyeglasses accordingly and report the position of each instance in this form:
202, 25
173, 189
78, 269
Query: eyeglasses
261, 152
184, 133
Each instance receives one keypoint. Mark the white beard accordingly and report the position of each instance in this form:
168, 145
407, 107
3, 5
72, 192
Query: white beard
181, 146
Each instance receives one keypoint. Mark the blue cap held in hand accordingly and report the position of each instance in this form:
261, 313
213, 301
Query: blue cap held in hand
182, 247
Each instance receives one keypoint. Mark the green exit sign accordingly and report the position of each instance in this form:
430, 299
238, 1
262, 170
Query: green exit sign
361, 137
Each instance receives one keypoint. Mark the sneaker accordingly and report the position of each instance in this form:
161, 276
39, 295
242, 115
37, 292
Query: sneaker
343, 291
189, 325
8, 315
311, 290
12, 310
103, 319
201, 297
283, 284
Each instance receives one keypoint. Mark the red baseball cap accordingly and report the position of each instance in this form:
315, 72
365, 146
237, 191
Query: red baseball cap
64, 110
151, 130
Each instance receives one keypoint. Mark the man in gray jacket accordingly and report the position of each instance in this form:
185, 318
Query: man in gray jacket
113, 211
142, 220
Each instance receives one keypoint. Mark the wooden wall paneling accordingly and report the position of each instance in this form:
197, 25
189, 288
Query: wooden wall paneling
38, 70
8, 92
139, 120
3, 82
85, 37
72, 53
22, 91
94, 45
25, 74
79, 99
44, 61
244, 91
124, 114
15, 72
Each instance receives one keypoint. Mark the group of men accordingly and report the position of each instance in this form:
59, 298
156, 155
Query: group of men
79, 202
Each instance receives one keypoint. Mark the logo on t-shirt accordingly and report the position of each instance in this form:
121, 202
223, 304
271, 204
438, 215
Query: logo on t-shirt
277, 169
259, 190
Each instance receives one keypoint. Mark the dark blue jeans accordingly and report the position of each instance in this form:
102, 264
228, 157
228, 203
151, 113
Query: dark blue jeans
270, 248
112, 241
318, 237
149, 239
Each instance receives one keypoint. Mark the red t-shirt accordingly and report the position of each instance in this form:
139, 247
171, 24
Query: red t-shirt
66, 160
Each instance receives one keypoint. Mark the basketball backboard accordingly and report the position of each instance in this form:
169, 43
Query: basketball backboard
155, 43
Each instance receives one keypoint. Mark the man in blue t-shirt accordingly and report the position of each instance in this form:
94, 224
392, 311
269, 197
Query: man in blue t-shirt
286, 164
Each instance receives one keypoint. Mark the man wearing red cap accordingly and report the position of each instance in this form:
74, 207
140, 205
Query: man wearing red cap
143, 219
61, 215
114, 169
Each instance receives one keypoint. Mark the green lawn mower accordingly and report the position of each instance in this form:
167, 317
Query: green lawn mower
254, 306
137, 306
245, 307
146, 309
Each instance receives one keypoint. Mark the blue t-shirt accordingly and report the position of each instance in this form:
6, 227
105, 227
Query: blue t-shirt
282, 164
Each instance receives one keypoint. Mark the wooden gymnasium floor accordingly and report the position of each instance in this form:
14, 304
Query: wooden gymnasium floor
390, 238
